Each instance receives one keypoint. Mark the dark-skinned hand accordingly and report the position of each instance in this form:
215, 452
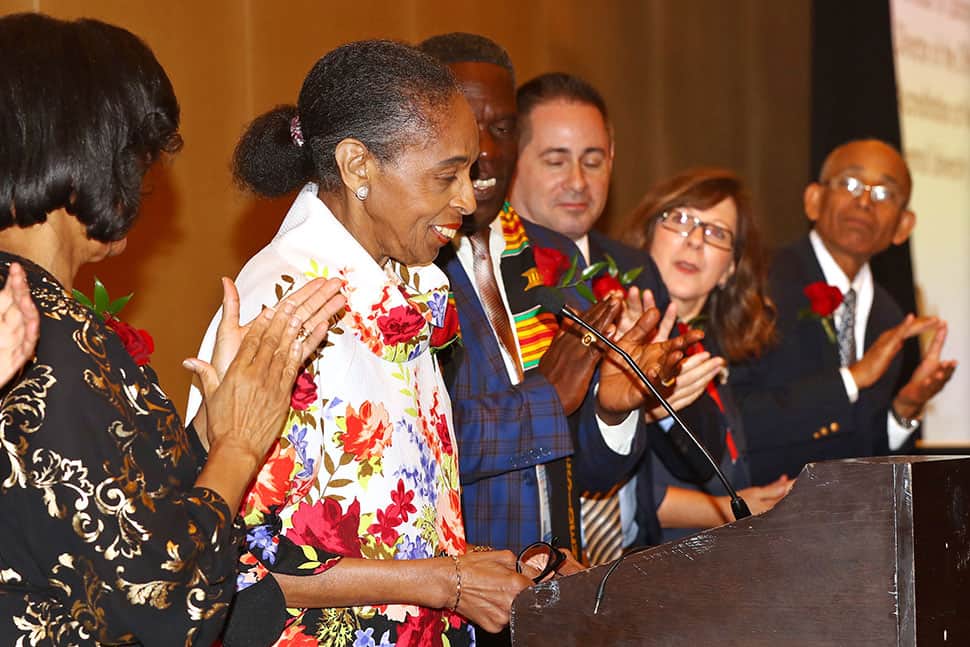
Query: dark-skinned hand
568, 364
620, 390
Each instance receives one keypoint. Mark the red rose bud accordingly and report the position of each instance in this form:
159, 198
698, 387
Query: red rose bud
138, 343
605, 284
401, 324
304, 392
441, 337
823, 298
551, 263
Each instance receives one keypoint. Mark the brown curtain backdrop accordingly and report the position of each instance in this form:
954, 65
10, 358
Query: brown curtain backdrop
688, 82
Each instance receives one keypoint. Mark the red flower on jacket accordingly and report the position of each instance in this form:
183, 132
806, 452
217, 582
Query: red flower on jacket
605, 284
325, 525
304, 391
273, 480
448, 332
384, 527
401, 324
138, 343
401, 505
422, 630
368, 431
823, 298
551, 263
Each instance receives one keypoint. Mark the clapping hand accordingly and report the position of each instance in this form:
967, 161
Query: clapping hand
928, 379
19, 324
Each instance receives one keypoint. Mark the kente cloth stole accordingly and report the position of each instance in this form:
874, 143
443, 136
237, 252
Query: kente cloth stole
534, 328
535, 331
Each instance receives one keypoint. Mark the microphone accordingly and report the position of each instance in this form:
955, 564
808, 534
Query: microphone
553, 302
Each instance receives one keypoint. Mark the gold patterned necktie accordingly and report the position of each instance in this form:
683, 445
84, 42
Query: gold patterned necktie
491, 297
602, 527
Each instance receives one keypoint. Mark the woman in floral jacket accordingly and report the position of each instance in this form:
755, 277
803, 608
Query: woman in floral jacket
355, 532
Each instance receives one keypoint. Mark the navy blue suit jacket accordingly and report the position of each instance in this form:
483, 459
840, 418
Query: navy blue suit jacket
793, 401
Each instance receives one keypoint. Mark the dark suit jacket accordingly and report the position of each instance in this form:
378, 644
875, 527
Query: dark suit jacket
793, 401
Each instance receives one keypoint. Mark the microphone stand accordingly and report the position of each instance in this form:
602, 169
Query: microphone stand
738, 507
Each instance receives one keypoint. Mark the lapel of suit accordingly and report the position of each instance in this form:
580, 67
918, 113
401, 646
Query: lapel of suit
812, 272
476, 330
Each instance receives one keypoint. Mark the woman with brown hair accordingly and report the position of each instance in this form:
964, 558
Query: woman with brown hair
699, 229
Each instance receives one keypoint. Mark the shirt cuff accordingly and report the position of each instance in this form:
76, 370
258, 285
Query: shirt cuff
898, 434
851, 389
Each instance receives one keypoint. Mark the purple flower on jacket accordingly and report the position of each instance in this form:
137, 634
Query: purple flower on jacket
413, 548
261, 540
297, 438
438, 304
365, 638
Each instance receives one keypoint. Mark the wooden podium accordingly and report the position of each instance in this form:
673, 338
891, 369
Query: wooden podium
872, 551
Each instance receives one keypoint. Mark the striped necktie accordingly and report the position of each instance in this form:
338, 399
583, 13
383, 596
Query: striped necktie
602, 527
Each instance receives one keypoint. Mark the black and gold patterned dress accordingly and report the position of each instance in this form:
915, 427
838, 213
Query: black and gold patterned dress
103, 537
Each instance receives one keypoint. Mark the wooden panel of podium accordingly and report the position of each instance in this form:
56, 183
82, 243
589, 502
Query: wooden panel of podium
872, 551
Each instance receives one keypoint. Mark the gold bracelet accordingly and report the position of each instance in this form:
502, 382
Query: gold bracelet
481, 548
457, 584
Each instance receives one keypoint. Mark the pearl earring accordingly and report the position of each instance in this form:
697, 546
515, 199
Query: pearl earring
362, 192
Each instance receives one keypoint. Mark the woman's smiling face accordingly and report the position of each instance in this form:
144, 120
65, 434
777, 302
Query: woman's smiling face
417, 200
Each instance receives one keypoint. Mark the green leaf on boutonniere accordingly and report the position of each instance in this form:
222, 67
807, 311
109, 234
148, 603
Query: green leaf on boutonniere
592, 270
115, 306
571, 272
83, 299
612, 268
585, 292
630, 276
829, 329
101, 300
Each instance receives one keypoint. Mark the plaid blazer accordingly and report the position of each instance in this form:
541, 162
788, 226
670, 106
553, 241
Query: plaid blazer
503, 431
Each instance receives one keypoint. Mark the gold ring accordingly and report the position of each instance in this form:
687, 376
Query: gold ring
302, 334
668, 383
588, 339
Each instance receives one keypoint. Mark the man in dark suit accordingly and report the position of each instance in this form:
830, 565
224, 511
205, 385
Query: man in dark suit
560, 187
525, 417
826, 391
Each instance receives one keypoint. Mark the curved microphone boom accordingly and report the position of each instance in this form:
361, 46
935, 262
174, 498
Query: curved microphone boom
553, 302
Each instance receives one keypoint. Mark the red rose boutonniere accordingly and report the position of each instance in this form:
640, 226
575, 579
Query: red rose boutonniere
553, 269
138, 343
823, 299
449, 332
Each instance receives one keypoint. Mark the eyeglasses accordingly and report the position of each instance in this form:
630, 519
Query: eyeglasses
878, 193
684, 223
535, 554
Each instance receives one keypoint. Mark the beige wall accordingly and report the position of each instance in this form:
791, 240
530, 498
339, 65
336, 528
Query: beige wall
687, 81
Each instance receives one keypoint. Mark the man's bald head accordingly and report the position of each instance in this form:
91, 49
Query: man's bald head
861, 154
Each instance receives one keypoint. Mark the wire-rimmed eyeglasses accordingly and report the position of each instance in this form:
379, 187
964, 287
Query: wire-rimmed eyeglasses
684, 223
878, 193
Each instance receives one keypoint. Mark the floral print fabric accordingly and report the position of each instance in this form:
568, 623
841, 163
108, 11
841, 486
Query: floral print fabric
104, 538
366, 465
